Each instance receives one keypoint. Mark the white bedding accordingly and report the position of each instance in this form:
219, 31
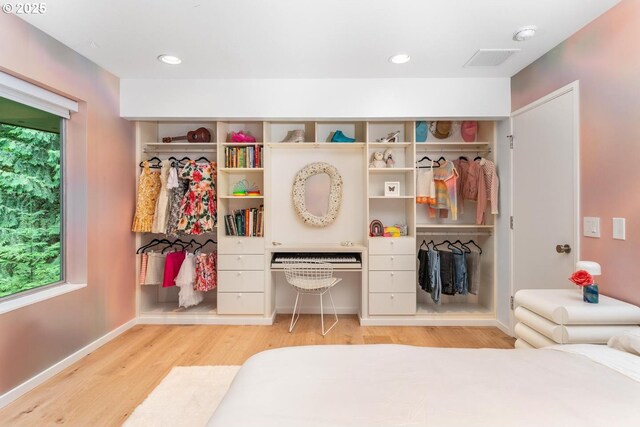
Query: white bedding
395, 385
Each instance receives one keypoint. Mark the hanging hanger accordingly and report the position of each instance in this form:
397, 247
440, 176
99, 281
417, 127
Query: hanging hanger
478, 157
462, 247
205, 243
437, 164
441, 159
153, 166
463, 158
474, 244
151, 244
441, 243
203, 158
424, 242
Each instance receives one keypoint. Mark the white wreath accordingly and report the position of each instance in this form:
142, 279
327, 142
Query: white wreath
335, 194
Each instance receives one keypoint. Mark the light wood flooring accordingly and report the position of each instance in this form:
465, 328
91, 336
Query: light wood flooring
106, 386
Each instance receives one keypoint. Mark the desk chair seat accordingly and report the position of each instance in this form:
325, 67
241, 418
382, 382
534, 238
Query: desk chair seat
311, 278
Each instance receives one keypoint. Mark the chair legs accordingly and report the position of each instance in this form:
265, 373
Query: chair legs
297, 306
294, 318
335, 313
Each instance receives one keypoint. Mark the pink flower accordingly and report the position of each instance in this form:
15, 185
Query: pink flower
581, 278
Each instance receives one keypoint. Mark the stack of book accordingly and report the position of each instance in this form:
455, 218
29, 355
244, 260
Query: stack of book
245, 222
243, 157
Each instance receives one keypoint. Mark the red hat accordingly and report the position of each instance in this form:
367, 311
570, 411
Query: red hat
469, 129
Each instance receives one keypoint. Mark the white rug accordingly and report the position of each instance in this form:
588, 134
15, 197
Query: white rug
187, 396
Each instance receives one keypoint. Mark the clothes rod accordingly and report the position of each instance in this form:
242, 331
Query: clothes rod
454, 150
456, 233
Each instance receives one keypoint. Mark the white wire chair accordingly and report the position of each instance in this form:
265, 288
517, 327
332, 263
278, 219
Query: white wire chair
314, 278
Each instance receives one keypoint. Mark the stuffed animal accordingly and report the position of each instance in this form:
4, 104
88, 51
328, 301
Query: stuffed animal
377, 160
392, 231
388, 158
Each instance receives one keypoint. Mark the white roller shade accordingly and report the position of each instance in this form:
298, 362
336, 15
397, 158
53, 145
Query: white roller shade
34, 96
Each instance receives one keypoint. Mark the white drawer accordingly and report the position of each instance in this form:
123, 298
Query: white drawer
240, 303
401, 303
241, 245
241, 281
392, 281
392, 245
240, 262
392, 262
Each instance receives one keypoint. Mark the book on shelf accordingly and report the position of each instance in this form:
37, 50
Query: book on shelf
243, 157
245, 222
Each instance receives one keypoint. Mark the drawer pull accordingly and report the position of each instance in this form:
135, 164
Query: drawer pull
239, 242
239, 295
391, 258
239, 273
392, 296
239, 257
391, 274
391, 242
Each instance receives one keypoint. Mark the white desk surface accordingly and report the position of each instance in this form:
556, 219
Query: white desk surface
316, 247
566, 307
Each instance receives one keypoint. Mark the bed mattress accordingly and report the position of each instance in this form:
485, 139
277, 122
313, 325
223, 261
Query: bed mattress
395, 385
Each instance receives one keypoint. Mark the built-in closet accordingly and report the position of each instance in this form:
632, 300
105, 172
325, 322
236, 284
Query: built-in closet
387, 288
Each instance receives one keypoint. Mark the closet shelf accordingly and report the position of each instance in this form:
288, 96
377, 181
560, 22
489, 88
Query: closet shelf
240, 170
240, 144
325, 145
390, 170
388, 144
391, 197
447, 226
241, 197
179, 147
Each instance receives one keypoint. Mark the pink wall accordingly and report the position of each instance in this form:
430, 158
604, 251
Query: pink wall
101, 148
605, 58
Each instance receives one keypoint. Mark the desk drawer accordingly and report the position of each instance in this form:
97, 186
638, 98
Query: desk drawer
240, 262
240, 303
400, 303
392, 281
392, 245
241, 281
241, 245
392, 262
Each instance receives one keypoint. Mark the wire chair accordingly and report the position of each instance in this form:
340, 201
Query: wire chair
314, 278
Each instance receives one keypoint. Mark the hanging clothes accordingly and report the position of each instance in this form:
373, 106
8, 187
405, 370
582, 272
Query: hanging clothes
471, 186
425, 186
198, 208
491, 182
460, 280
148, 190
172, 265
446, 181
473, 270
144, 258
446, 272
206, 272
424, 279
155, 269
187, 296
175, 201
162, 204
434, 275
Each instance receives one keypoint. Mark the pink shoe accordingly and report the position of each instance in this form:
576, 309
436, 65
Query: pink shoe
241, 137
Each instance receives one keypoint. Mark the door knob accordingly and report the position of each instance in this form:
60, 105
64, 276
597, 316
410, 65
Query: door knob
563, 249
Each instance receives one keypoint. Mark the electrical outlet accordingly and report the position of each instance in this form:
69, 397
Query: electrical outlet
591, 226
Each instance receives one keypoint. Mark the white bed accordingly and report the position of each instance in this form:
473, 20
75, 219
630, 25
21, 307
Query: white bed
395, 385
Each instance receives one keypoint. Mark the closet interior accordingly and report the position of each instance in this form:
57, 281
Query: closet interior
388, 159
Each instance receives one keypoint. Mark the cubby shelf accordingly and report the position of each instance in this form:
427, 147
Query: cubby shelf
434, 226
391, 197
178, 147
390, 170
389, 144
324, 145
240, 144
241, 197
244, 170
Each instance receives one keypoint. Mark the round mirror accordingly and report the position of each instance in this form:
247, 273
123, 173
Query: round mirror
317, 194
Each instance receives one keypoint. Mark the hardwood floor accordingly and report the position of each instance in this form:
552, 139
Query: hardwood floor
105, 387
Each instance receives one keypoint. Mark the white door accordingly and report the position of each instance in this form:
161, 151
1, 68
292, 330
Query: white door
545, 191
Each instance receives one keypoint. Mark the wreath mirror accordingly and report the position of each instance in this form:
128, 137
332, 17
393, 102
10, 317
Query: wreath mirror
317, 194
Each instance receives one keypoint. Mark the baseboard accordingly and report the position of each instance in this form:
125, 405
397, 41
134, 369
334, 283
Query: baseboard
48, 373
504, 328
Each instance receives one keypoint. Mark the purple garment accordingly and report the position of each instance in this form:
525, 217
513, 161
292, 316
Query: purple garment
172, 266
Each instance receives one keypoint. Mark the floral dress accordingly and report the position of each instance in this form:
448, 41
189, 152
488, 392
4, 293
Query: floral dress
206, 272
198, 206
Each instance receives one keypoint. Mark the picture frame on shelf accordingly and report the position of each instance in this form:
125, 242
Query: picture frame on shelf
392, 189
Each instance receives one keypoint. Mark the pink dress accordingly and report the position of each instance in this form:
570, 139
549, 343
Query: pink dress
172, 266
206, 272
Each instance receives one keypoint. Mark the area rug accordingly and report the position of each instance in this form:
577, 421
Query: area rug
187, 396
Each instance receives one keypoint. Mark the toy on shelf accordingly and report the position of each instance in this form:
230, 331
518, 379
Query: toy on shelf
388, 158
376, 228
338, 136
243, 188
377, 160
392, 231
241, 136
392, 137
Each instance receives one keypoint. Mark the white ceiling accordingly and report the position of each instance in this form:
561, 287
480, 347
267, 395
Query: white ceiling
309, 38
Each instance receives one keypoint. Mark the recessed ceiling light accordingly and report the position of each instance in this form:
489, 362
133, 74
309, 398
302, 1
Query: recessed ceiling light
401, 58
169, 59
525, 33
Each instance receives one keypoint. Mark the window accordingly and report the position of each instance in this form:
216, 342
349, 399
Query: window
31, 211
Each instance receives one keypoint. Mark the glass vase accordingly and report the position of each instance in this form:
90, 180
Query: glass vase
590, 294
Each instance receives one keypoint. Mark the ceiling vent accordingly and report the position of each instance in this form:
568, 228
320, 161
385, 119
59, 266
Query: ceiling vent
490, 57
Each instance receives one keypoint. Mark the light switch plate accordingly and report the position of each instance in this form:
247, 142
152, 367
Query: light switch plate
619, 228
591, 226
